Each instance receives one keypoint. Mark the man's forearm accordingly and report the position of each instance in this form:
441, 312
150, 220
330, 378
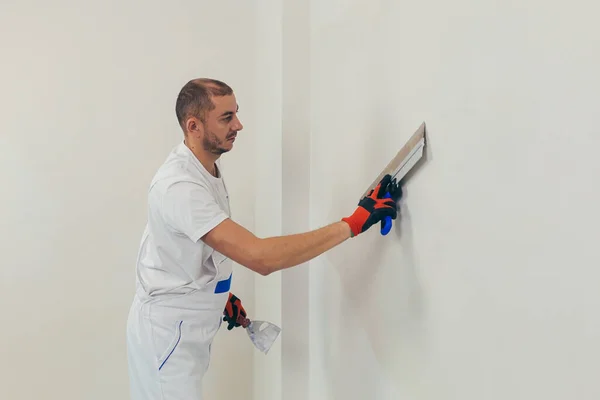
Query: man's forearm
282, 252
275, 253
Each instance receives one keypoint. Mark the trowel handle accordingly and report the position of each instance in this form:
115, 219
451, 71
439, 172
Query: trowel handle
386, 224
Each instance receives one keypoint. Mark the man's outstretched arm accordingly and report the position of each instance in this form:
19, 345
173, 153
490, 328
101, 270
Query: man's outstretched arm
272, 254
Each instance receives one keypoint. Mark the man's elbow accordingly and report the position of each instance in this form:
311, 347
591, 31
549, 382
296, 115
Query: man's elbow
265, 270
262, 261
243, 247
261, 266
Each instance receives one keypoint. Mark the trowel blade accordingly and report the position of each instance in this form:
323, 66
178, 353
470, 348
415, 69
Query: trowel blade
404, 160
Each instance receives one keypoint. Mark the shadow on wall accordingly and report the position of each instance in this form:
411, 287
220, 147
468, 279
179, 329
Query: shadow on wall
381, 345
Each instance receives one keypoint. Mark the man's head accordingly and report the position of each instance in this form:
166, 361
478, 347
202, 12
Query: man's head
207, 112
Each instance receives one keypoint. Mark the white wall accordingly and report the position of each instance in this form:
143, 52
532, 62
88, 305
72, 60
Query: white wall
475, 294
87, 98
268, 137
487, 286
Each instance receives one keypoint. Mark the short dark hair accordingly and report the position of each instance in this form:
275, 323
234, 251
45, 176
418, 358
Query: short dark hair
194, 98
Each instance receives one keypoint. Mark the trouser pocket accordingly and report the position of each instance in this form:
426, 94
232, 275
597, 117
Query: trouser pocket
172, 347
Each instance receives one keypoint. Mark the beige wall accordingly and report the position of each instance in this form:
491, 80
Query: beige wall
487, 286
87, 98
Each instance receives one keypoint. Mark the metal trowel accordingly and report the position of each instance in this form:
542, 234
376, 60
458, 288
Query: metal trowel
399, 166
262, 333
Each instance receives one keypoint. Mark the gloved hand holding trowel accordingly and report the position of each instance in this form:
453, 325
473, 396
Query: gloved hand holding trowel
235, 315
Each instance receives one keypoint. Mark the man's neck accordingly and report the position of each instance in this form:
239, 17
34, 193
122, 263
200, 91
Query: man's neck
208, 160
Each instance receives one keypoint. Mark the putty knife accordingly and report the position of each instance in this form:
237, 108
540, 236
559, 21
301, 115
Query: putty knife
262, 337
399, 166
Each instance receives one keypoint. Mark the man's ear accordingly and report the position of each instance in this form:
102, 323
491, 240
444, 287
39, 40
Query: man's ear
194, 126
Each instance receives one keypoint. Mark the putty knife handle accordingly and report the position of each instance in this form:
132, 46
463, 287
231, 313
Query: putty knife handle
387, 222
244, 322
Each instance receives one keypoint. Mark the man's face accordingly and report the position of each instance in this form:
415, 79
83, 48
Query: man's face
221, 126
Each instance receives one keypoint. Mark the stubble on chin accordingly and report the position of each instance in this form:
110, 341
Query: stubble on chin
213, 145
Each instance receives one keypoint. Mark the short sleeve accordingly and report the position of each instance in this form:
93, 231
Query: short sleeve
191, 209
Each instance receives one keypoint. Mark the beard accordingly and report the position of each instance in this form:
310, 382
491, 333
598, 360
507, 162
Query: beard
213, 144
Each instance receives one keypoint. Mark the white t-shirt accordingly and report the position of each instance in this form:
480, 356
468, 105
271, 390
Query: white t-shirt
184, 203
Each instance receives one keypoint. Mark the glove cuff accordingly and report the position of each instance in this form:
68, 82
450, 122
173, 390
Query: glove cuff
357, 220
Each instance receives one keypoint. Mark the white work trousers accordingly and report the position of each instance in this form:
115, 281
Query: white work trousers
168, 343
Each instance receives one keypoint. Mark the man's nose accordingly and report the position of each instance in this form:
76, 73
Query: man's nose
238, 124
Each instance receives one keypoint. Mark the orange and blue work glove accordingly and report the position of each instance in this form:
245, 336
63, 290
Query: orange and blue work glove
375, 207
233, 309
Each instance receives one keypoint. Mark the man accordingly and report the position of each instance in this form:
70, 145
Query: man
184, 265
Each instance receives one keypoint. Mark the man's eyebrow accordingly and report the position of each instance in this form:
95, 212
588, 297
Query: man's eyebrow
227, 113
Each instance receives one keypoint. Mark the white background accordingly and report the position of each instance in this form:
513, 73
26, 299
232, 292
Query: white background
485, 289
87, 104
